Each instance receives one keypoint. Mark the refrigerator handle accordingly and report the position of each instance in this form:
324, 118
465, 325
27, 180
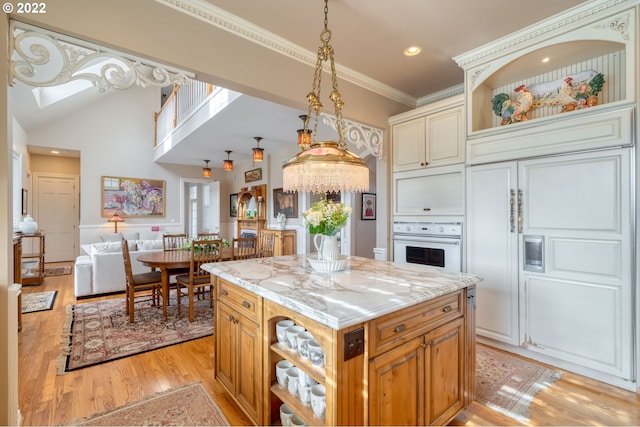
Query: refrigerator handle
512, 209
519, 211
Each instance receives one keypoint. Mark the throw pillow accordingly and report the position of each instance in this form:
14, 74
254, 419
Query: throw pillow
148, 245
149, 235
105, 247
113, 237
133, 235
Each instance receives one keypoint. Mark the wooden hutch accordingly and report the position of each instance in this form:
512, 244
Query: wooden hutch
252, 204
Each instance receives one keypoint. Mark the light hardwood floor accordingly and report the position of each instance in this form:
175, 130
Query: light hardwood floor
50, 399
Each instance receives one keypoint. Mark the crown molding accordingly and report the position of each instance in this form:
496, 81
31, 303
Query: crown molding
226, 21
439, 96
562, 22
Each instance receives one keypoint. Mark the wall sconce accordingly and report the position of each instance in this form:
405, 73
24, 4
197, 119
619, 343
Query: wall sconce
206, 170
228, 164
115, 219
258, 153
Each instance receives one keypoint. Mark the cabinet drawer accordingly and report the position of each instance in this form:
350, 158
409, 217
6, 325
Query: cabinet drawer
396, 328
239, 299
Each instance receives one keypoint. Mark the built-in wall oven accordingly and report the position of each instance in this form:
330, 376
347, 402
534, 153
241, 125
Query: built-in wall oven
437, 244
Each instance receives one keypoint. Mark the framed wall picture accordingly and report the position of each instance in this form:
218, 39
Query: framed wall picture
368, 206
253, 175
24, 201
285, 203
132, 197
233, 205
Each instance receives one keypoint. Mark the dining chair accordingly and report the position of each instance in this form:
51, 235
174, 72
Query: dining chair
244, 247
147, 286
265, 245
174, 242
197, 280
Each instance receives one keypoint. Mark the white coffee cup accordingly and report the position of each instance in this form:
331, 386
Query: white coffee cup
305, 379
285, 415
318, 400
281, 371
297, 421
304, 391
281, 330
316, 355
303, 340
292, 335
292, 380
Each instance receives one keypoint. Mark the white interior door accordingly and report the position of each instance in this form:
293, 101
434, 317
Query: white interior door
580, 308
56, 210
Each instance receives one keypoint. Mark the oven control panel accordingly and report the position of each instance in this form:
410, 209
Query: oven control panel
428, 228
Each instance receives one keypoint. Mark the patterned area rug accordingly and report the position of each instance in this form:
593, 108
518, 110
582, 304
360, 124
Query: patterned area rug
190, 405
57, 271
97, 332
508, 384
38, 301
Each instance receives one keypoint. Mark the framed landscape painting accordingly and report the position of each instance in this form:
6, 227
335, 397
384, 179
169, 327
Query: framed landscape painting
132, 197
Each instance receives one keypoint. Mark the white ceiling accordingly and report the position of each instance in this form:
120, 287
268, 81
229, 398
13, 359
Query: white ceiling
369, 37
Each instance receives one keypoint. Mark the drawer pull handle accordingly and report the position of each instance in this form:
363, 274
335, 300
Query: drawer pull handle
400, 328
446, 309
245, 304
426, 209
223, 292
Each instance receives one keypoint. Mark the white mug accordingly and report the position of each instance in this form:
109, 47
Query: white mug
281, 330
318, 400
281, 371
316, 355
305, 393
292, 380
305, 379
303, 346
285, 415
292, 335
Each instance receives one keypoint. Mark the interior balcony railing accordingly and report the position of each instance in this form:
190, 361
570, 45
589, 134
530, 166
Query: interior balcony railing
180, 105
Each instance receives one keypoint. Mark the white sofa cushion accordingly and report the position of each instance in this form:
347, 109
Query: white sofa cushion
148, 245
112, 237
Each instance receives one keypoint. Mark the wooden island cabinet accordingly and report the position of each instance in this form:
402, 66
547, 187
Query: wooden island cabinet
398, 339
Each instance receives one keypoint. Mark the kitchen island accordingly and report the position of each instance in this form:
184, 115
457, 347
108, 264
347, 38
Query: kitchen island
398, 339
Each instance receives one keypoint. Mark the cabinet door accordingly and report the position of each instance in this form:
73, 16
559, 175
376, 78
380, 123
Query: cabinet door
226, 339
409, 145
444, 372
437, 191
396, 386
581, 204
492, 248
249, 363
445, 140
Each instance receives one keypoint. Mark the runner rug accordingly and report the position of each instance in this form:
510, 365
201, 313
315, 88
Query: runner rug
100, 331
508, 384
57, 271
190, 405
38, 301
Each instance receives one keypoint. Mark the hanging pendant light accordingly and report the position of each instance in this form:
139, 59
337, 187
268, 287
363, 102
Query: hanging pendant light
206, 170
326, 166
228, 164
258, 153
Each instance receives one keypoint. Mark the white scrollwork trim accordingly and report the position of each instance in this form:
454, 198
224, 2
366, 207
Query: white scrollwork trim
620, 25
358, 134
41, 58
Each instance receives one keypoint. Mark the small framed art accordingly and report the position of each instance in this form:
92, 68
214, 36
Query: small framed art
368, 206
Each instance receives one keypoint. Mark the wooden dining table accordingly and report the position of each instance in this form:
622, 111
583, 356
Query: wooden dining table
170, 262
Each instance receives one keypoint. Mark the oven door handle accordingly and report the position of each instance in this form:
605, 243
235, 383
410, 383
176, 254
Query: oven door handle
426, 240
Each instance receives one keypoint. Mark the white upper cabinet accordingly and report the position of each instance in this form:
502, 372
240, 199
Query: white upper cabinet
429, 136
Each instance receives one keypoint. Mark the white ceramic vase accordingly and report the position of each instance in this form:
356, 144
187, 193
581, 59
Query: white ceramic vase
28, 225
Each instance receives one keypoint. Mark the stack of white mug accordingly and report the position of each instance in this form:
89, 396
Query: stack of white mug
300, 340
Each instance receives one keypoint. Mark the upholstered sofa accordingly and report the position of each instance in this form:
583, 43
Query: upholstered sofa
101, 271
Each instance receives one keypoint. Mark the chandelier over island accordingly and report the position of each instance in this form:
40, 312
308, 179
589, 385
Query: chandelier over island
325, 166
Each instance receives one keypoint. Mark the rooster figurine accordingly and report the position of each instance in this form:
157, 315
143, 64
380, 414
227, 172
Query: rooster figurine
513, 111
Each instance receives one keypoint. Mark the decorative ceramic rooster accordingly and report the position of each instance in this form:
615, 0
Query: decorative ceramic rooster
513, 111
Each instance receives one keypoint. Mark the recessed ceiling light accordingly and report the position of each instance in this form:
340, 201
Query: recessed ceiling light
412, 51
547, 59
55, 152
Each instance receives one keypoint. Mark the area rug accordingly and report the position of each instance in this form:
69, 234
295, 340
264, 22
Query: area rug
100, 331
190, 405
508, 384
57, 271
38, 301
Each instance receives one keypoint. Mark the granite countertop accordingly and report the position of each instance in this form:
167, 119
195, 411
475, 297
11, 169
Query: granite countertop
365, 290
